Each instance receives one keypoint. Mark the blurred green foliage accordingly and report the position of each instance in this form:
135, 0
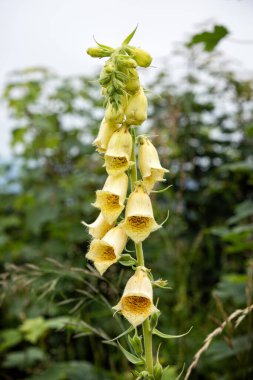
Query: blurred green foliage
56, 310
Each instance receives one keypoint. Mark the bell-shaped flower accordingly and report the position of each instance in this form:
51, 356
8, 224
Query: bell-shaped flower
107, 251
136, 303
149, 163
110, 200
136, 110
118, 153
139, 218
105, 132
99, 227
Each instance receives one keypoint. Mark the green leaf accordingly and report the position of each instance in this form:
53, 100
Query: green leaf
9, 338
24, 359
209, 39
34, 328
129, 37
130, 329
167, 336
130, 357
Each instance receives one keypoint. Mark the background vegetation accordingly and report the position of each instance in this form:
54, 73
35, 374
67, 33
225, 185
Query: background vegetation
54, 311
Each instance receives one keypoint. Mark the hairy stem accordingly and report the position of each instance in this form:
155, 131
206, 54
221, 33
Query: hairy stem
147, 334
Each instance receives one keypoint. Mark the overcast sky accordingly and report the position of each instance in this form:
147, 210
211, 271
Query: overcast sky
56, 33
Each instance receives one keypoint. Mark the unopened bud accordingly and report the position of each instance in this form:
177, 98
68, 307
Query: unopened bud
158, 371
141, 57
136, 110
136, 343
98, 52
133, 83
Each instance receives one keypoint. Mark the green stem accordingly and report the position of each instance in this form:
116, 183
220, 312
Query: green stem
147, 334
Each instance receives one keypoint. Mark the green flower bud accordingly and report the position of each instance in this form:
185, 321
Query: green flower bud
141, 57
98, 52
113, 115
158, 371
136, 343
127, 62
133, 83
109, 68
136, 111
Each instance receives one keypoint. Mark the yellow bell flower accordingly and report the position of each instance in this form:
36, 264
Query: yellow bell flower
139, 218
105, 132
110, 200
118, 153
107, 251
149, 163
136, 303
99, 227
136, 110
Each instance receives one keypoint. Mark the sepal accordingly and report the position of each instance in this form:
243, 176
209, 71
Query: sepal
128, 261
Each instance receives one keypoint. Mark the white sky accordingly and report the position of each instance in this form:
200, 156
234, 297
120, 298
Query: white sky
56, 33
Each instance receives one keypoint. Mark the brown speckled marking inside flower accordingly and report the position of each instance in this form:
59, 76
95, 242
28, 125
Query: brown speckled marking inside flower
106, 253
136, 304
116, 162
139, 222
112, 199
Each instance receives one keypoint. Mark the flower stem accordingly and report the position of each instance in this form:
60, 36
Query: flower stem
147, 333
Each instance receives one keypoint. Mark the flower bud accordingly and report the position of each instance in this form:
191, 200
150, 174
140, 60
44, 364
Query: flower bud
107, 251
136, 343
136, 303
118, 153
139, 218
98, 52
115, 115
99, 227
104, 134
126, 62
149, 163
110, 200
133, 83
136, 110
141, 57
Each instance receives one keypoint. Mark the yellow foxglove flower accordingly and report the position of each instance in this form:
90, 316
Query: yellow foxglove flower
110, 200
118, 153
113, 115
149, 163
107, 251
139, 218
136, 303
99, 227
104, 134
136, 110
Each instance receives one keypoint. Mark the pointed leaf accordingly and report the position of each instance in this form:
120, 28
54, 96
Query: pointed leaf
167, 336
131, 328
130, 357
130, 36
103, 46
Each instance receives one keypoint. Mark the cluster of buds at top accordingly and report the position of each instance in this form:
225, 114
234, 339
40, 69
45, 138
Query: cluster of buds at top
125, 108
